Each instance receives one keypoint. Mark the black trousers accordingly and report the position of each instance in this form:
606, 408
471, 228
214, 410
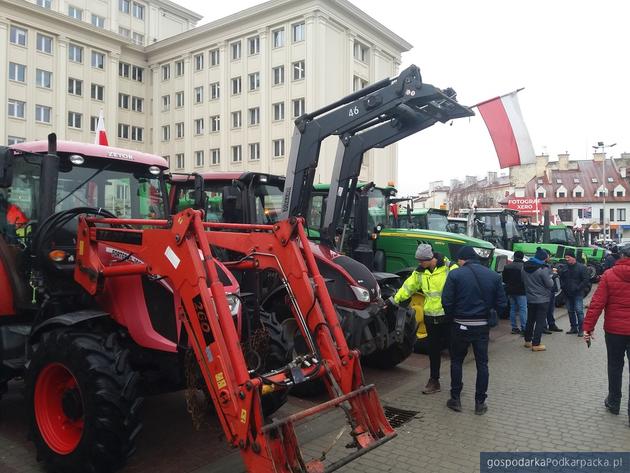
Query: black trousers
438, 337
461, 339
536, 315
618, 347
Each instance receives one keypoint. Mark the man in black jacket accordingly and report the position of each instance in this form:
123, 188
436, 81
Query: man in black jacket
574, 280
515, 290
470, 293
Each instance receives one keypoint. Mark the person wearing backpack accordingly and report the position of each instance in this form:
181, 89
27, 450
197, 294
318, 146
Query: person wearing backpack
469, 296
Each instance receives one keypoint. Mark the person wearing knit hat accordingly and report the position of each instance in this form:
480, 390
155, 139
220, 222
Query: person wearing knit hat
550, 325
515, 290
575, 282
466, 253
538, 280
428, 279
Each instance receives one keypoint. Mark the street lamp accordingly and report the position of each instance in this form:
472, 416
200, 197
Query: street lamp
602, 146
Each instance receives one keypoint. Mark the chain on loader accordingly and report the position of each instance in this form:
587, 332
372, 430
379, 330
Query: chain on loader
179, 251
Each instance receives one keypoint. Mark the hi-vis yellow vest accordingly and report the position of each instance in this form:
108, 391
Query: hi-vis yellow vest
430, 284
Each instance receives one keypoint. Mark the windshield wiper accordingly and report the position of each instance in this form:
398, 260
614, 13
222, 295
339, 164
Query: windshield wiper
98, 171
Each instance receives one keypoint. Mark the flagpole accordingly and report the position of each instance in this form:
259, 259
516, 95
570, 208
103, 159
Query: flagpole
495, 98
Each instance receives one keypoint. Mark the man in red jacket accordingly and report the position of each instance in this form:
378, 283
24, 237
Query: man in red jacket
613, 296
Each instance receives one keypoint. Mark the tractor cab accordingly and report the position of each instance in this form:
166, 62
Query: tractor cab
428, 219
497, 226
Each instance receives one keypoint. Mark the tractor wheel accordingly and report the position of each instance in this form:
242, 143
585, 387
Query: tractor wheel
398, 352
278, 355
83, 400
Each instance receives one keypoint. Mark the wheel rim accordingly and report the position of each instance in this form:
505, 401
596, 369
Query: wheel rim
59, 408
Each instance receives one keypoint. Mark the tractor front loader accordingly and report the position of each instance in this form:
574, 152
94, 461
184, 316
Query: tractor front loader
179, 252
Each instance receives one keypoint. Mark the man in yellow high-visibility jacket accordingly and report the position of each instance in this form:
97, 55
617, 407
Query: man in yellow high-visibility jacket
429, 279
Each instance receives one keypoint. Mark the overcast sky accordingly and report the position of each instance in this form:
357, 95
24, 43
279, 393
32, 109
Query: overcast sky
571, 56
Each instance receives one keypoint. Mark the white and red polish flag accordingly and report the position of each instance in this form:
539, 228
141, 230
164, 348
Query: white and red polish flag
507, 129
101, 135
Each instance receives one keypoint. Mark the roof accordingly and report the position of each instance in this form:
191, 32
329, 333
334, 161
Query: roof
92, 150
586, 171
209, 176
424, 211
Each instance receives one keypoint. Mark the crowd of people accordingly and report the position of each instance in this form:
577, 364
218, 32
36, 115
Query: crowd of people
462, 300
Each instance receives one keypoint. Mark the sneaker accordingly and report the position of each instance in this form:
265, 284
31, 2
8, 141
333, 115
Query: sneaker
555, 328
432, 387
580, 333
454, 405
516, 331
527, 344
573, 331
611, 408
481, 408
539, 347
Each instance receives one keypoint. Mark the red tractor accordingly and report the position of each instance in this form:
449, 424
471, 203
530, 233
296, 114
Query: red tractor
108, 296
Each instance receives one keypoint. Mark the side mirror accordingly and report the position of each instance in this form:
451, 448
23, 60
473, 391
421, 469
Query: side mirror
199, 196
6, 166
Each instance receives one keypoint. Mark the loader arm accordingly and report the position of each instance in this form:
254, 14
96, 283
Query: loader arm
179, 251
353, 113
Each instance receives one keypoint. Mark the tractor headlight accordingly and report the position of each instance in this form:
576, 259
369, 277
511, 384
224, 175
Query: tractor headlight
361, 293
483, 252
234, 302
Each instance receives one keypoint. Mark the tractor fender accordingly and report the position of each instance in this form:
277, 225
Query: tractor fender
66, 320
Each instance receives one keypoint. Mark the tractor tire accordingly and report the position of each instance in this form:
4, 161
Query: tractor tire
396, 353
83, 399
278, 355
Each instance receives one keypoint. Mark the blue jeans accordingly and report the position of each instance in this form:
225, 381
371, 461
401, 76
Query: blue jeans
478, 337
518, 303
575, 307
551, 322
536, 313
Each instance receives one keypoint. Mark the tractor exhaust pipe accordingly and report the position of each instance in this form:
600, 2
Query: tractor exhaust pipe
48, 179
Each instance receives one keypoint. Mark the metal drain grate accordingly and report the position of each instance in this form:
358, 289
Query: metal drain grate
398, 417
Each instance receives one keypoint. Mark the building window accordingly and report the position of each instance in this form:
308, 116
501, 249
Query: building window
42, 113
17, 108
98, 21
237, 155
137, 73
168, 160
236, 119
198, 62
98, 60
166, 72
166, 132
215, 123
198, 94
199, 128
619, 194
124, 69
594, 180
236, 85
18, 36
179, 99
601, 216
278, 148
299, 32
138, 38
540, 195
621, 215
278, 75
75, 87
44, 43
576, 180
254, 116
97, 92
138, 11
215, 91
561, 194
298, 107
612, 215
277, 38
254, 151
123, 101
74, 119
123, 5
214, 57
179, 68
45, 3
14, 140
166, 103
215, 155
566, 215
17, 72
123, 131
93, 122
619, 191
610, 179
299, 70
278, 111
254, 81
75, 12
179, 160
43, 78
199, 159
236, 50
137, 133
253, 45
578, 194
358, 83
361, 52
179, 130
126, 32
137, 104
75, 53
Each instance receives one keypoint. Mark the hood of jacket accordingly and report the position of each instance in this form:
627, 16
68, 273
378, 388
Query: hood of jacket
532, 265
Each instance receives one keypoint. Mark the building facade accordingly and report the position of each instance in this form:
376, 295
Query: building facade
222, 96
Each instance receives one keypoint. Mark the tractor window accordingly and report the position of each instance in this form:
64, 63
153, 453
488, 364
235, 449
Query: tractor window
437, 222
377, 211
316, 211
19, 204
268, 201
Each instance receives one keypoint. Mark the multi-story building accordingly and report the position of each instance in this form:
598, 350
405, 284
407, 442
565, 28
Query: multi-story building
220, 96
